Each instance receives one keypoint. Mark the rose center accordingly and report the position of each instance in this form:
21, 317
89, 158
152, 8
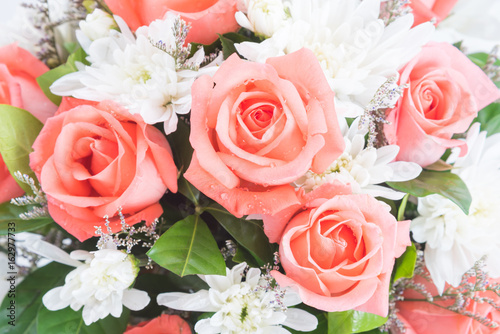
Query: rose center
345, 241
258, 118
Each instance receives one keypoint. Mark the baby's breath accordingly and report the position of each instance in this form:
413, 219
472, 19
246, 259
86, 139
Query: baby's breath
128, 236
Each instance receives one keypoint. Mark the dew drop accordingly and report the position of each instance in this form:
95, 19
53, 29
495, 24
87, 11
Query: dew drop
224, 196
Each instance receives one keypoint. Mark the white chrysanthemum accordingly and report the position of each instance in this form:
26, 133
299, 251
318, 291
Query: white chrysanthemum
132, 71
242, 307
454, 240
363, 167
470, 23
356, 51
101, 284
263, 17
97, 24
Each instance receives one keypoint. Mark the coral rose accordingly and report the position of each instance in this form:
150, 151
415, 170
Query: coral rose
338, 249
164, 324
18, 87
257, 127
426, 10
94, 159
422, 317
446, 90
207, 17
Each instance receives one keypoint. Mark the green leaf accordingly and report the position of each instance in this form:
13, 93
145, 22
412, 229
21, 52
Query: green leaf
69, 321
155, 284
183, 152
349, 322
445, 184
489, 117
48, 78
478, 58
188, 190
28, 298
439, 166
227, 46
181, 148
229, 39
493, 125
18, 131
248, 233
374, 331
10, 221
189, 248
405, 264
243, 255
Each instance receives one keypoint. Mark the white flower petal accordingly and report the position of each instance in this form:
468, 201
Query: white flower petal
198, 301
204, 327
52, 300
135, 300
385, 192
300, 320
45, 249
404, 171
291, 298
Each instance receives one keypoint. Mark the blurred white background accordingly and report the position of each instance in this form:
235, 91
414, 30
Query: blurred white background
8, 9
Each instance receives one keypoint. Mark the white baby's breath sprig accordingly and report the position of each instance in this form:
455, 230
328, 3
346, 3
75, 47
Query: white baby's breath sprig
38, 199
475, 282
128, 236
491, 68
178, 50
390, 10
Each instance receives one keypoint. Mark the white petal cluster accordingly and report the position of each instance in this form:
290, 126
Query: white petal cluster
97, 24
454, 240
263, 17
470, 24
357, 52
101, 285
242, 307
363, 167
135, 72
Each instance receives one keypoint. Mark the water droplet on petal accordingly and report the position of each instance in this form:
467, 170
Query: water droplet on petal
224, 196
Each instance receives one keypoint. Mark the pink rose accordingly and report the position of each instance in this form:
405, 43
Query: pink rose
338, 249
426, 10
446, 90
18, 87
421, 317
207, 17
8, 186
257, 127
92, 159
164, 324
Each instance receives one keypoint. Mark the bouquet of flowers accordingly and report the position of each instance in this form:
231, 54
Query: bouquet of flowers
250, 166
